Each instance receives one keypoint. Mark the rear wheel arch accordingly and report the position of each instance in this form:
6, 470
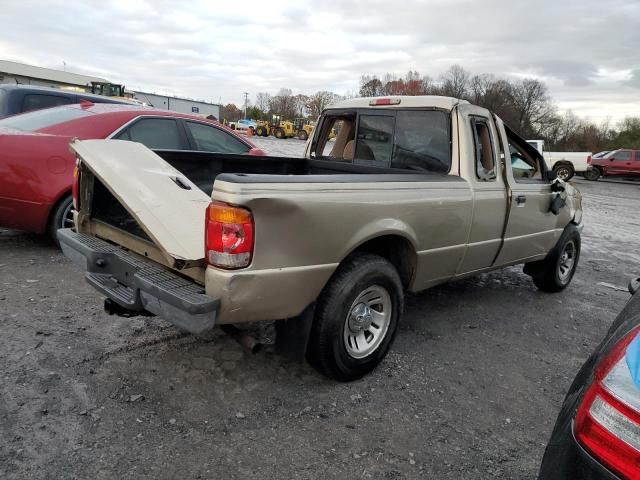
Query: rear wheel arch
396, 249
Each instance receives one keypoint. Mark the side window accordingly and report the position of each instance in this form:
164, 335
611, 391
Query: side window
422, 141
211, 139
637, 155
623, 156
374, 141
524, 167
155, 133
485, 159
38, 102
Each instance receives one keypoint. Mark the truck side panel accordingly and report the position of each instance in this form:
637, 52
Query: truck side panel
307, 229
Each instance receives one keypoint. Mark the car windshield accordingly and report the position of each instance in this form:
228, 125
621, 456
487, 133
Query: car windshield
610, 154
38, 119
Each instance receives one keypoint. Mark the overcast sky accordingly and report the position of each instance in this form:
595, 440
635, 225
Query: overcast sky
587, 51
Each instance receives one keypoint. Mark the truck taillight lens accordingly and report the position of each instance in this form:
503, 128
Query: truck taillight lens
607, 422
75, 187
228, 236
589, 160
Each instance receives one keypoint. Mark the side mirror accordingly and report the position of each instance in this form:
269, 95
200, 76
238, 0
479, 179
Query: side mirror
550, 175
611, 159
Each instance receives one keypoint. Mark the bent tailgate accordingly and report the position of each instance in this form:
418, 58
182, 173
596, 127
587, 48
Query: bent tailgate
167, 205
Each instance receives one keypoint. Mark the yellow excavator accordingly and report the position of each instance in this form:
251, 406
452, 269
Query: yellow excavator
300, 128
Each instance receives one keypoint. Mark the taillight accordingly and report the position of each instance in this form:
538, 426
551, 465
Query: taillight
589, 160
607, 422
75, 187
228, 236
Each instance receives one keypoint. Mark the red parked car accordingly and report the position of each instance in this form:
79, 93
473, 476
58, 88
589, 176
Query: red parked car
619, 163
36, 165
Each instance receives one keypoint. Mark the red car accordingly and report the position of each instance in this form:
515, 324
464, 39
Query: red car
36, 165
619, 163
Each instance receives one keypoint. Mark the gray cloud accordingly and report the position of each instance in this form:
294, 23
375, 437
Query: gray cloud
585, 50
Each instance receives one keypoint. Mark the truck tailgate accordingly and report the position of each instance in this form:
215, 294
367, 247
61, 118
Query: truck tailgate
166, 204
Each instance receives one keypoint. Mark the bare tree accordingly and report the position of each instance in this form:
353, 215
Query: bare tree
319, 101
284, 104
263, 102
370, 86
532, 104
455, 82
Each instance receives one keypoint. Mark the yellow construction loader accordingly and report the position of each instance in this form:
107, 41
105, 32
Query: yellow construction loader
300, 127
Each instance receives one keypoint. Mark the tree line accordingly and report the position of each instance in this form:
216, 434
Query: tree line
524, 104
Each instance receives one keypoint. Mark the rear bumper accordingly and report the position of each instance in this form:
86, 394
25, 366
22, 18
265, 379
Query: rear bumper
138, 284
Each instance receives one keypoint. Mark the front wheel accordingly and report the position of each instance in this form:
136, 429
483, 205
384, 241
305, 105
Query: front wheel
356, 318
563, 172
554, 273
302, 135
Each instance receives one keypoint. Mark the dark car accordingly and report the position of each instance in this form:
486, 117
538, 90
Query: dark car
597, 434
16, 99
624, 162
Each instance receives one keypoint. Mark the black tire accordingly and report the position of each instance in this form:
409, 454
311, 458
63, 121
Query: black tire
594, 174
564, 172
552, 274
279, 133
327, 349
61, 217
302, 135
260, 131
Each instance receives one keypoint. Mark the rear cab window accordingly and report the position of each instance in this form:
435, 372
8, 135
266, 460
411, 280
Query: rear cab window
410, 139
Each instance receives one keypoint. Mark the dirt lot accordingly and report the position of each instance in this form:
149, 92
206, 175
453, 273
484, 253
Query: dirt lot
470, 389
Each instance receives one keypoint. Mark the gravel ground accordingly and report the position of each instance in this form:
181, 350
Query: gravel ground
470, 389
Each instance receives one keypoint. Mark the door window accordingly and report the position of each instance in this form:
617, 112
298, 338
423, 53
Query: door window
525, 168
212, 139
637, 155
38, 102
485, 159
422, 141
156, 133
622, 156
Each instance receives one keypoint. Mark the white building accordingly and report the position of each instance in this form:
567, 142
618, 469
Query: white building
15, 73
175, 104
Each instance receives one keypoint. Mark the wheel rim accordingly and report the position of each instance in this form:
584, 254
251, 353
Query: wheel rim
567, 262
562, 173
67, 216
367, 322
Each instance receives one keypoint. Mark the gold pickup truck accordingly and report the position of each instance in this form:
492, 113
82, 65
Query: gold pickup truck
411, 193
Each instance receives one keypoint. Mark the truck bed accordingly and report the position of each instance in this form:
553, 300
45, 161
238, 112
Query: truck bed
202, 168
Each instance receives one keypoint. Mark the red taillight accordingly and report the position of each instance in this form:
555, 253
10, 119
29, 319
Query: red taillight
384, 101
607, 422
75, 187
228, 236
589, 160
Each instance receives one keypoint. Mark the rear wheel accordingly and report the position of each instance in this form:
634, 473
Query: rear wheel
563, 172
61, 217
555, 272
594, 174
279, 133
302, 135
356, 318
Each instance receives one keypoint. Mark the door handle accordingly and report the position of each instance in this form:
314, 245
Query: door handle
521, 200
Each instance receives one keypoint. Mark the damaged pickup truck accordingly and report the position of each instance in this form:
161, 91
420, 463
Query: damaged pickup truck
413, 192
